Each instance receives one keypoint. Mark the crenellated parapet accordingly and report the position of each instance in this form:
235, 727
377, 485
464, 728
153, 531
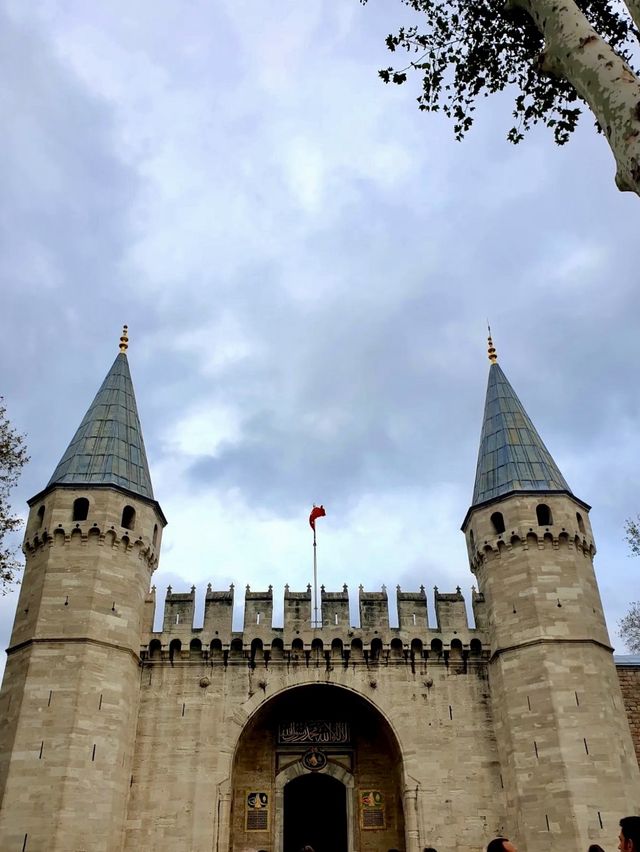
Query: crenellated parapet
107, 516
374, 609
218, 612
371, 642
551, 521
335, 609
479, 606
90, 533
258, 610
412, 609
451, 613
179, 610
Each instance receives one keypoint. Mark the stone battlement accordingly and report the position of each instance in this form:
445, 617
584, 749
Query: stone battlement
335, 636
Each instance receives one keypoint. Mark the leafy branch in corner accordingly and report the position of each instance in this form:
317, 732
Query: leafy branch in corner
13, 457
470, 49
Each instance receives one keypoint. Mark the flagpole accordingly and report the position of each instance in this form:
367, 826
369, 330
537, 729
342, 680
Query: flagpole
315, 579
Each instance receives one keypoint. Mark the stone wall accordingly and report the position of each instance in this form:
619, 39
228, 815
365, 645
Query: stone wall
200, 751
629, 677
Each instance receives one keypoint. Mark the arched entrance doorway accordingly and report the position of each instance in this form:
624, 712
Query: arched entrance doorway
318, 765
315, 814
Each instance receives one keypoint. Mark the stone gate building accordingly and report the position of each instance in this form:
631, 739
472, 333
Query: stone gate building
364, 738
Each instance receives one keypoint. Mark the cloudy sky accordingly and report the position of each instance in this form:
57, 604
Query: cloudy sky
306, 263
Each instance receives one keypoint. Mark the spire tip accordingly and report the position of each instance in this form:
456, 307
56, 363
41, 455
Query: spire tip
124, 339
491, 348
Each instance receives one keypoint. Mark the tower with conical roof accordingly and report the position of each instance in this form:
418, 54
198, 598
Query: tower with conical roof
568, 766
71, 688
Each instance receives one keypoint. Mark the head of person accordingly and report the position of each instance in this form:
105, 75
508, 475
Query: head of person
503, 844
595, 848
629, 838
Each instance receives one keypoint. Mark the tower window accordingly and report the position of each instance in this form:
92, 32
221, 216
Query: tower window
41, 516
128, 518
580, 522
80, 509
543, 513
155, 535
497, 521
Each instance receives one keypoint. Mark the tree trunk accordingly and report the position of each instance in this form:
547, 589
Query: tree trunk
575, 51
634, 10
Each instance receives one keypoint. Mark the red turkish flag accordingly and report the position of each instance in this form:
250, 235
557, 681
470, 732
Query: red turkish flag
316, 512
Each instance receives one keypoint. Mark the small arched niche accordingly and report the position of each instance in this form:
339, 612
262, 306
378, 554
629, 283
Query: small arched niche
580, 522
497, 522
544, 516
397, 651
356, 649
40, 516
257, 649
155, 649
376, 648
195, 648
174, 649
80, 509
236, 649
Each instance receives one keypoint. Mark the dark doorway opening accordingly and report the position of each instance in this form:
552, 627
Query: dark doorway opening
315, 814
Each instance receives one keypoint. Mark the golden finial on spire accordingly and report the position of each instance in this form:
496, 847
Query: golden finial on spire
124, 340
492, 349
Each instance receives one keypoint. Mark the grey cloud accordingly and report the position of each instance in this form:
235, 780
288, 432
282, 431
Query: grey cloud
365, 316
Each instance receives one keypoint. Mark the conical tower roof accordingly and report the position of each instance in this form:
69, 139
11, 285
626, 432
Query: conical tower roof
108, 448
512, 455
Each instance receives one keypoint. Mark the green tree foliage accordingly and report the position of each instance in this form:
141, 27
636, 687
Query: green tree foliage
13, 457
469, 49
632, 530
629, 626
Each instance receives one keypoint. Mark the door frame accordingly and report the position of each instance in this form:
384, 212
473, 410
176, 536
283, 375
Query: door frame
295, 771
